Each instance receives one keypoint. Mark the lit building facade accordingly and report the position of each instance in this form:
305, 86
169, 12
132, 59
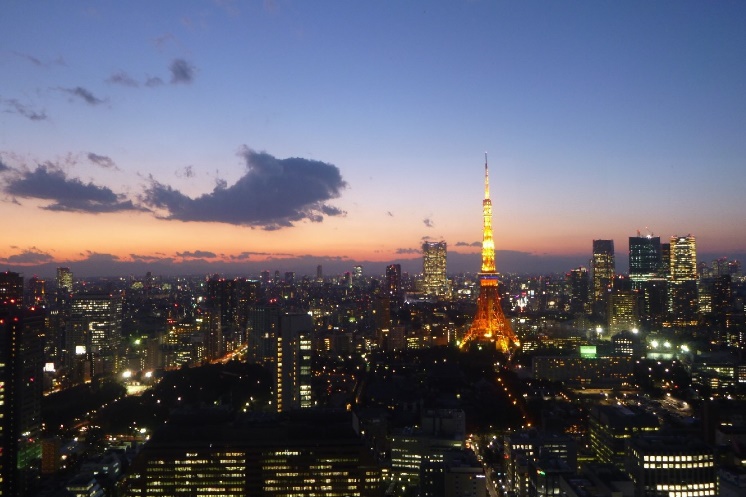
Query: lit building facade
94, 333
644, 258
523, 447
393, 283
611, 426
603, 268
671, 466
64, 279
292, 378
304, 454
435, 280
623, 312
682, 291
21, 363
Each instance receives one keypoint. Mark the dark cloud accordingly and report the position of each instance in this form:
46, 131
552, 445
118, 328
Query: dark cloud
187, 172
59, 61
244, 256
467, 244
3, 166
162, 40
272, 194
102, 160
408, 251
181, 72
49, 182
150, 258
197, 254
122, 78
29, 256
389, 214
84, 95
13, 106
428, 222
91, 256
153, 82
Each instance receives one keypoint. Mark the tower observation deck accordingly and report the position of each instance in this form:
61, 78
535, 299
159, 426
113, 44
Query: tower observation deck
490, 323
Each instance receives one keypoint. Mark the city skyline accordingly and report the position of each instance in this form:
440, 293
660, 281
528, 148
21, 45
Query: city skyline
233, 137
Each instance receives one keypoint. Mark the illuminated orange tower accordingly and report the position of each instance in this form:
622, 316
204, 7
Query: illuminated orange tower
489, 322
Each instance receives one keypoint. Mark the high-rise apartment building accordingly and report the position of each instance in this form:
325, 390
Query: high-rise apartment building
603, 269
21, 363
393, 282
435, 279
292, 375
682, 290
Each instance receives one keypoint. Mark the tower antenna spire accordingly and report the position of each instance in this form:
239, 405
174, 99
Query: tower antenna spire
489, 322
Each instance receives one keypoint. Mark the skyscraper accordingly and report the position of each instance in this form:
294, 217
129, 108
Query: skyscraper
292, 385
603, 268
644, 258
577, 280
435, 280
489, 321
95, 331
393, 282
21, 362
682, 291
64, 279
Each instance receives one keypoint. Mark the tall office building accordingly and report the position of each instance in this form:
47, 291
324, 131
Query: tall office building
623, 312
357, 276
645, 261
64, 279
603, 268
665, 259
682, 290
435, 280
94, 333
577, 280
21, 362
292, 378
647, 272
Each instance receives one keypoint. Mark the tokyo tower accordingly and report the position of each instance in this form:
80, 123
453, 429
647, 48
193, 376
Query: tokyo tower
489, 322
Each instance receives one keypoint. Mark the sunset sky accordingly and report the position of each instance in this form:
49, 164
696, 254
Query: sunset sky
236, 136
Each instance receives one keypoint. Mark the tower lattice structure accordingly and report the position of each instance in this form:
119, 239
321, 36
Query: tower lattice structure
489, 322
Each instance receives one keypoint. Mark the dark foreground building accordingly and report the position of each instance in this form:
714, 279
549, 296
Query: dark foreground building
300, 454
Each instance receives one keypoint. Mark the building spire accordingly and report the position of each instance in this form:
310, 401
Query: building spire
486, 178
488, 244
